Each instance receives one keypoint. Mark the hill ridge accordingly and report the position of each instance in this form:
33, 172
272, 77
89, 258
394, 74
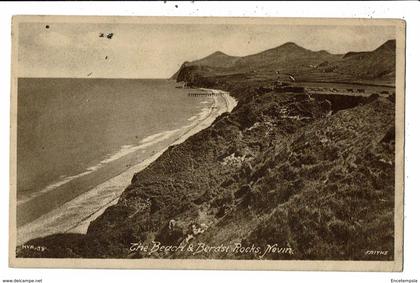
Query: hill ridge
306, 64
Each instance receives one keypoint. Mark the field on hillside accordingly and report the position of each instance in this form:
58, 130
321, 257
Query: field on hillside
307, 167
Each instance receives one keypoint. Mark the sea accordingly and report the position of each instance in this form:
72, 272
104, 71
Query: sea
73, 134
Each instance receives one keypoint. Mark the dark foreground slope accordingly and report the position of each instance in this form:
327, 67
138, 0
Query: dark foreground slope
283, 168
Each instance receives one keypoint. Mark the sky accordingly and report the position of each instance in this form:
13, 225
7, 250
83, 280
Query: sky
158, 50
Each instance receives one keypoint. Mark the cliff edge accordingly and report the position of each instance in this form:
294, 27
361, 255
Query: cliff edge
304, 172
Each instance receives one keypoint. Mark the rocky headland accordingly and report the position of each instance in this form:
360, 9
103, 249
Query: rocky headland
312, 171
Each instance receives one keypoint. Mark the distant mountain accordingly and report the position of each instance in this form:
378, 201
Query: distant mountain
304, 64
284, 55
283, 169
388, 47
217, 59
313, 173
375, 64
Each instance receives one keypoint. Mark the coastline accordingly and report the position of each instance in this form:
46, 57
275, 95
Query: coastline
296, 172
75, 215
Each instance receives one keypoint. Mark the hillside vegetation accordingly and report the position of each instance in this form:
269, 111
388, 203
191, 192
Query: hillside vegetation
305, 65
282, 168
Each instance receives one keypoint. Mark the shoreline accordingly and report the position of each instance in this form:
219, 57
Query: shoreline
75, 215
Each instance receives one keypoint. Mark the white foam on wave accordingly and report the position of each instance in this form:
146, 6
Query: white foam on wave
123, 151
204, 113
144, 143
230, 101
72, 216
153, 137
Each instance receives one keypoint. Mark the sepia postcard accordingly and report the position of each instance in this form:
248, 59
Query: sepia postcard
207, 143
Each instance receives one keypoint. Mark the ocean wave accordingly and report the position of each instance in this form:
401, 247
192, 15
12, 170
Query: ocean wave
123, 151
204, 113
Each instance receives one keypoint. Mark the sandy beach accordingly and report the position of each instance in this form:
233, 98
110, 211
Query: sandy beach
75, 215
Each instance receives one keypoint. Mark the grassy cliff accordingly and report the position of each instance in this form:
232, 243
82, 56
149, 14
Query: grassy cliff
286, 168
